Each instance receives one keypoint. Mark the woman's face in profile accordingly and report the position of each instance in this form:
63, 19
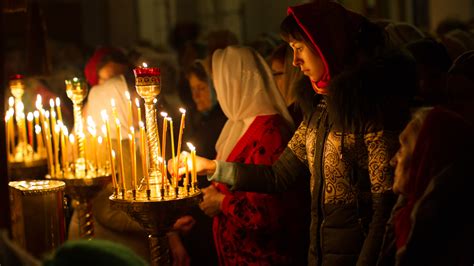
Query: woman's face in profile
403, 158
201, 93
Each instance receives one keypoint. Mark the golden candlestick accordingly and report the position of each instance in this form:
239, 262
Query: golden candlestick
147, 83
76, 90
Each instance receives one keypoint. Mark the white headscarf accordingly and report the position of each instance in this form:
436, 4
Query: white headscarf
245, 89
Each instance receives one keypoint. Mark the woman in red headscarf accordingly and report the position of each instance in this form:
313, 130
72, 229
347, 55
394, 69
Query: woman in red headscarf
351, 179
431, 223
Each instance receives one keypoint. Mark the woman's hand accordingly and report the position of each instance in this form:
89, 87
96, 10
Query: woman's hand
212, 201
203, 166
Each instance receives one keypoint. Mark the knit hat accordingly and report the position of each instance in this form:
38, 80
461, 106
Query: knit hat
94, 252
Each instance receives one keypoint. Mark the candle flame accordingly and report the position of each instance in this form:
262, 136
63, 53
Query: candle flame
155, 101
71, 138
59, 123
11, 101
145, 65
51, 103
46, 114
57, 129
112, 102
141, 124
36, 114
117, 121
132, 130
137, 102
30, 116
127, 95
39, 98
37, 129
160, 159
191, 146
75, 79
104, 115
182, 110
58, 101
130, 137
90, 121
99, 139
113, 154
164, 114
104, 130
169, 119
65, 131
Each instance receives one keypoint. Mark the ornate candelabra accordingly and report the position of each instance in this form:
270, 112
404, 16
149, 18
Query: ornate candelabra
83, 176
157, 202
26, 157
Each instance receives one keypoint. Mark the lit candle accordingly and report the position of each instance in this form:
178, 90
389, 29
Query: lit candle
52, 113
120, 156
130, 110
112, 167
163, 175
30, 128
193, 164
58, 108
186, 175
163, 141
143, 154
93, 132
49, 148
134, 158
181, 129
39, 138
64, 149
139, 112
56, 149
114, 109
7, 133
105, 119
73, 147
174, 163
99, 151
11, 129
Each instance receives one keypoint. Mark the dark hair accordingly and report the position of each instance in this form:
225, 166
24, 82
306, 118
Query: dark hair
289, 29
198, 70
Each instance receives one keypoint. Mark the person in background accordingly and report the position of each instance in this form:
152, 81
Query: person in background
253, 228
431, 223
460, 86
433, 62
203, 129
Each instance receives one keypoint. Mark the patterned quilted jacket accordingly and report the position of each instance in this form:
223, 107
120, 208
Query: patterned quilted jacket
351, 183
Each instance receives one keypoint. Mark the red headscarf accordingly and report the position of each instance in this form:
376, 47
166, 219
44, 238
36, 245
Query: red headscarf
442, 140
90, 70
332, 30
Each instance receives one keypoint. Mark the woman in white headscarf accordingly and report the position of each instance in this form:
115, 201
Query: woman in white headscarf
252, 228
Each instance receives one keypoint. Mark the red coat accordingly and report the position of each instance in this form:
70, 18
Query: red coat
255, 228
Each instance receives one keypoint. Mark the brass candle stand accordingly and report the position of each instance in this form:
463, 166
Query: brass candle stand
24, 161
157, 203
84, 179
157, 216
